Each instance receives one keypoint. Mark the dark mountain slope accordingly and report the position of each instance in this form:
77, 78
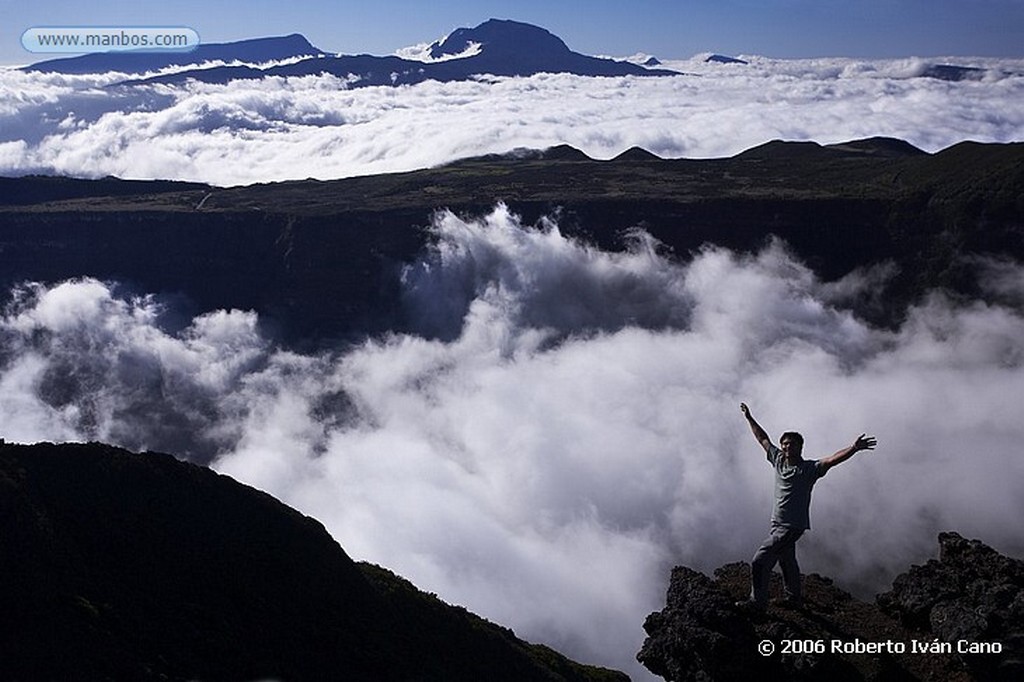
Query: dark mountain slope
129, 567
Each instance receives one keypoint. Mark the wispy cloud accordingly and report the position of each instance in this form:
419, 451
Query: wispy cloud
315, 126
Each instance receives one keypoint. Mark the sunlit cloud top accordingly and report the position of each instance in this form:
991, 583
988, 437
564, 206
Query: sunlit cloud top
318, 126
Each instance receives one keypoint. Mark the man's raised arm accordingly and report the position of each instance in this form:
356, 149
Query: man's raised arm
760, 434
863, 442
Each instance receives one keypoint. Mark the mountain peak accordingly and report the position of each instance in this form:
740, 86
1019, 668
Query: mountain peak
887, 147
503, 47
499, 35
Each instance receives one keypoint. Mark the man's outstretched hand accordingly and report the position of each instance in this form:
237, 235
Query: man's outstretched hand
759, 433
865, 442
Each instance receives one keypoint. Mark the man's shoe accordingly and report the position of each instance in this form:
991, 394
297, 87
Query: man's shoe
789, 603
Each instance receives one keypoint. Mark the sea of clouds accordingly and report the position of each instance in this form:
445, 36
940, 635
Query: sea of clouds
566, 425
321, 126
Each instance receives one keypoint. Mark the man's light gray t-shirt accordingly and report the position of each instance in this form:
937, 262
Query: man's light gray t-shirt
793, 486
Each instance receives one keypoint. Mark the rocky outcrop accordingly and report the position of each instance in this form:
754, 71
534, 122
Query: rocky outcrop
971, 593
926, 628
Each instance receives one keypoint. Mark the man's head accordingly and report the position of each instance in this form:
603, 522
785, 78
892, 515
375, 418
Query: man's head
792, 444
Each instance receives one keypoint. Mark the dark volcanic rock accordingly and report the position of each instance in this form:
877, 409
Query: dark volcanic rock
699, 633
702, 635
970, 594
119, 566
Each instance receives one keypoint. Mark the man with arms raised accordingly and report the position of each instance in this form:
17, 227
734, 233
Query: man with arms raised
794, 479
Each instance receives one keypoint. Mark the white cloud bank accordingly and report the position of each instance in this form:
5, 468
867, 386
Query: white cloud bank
277, 128
578, 433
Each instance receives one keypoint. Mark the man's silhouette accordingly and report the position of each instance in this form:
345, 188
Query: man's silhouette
794, 479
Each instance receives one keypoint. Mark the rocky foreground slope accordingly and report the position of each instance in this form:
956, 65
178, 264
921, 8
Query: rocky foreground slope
960, 617
120, 566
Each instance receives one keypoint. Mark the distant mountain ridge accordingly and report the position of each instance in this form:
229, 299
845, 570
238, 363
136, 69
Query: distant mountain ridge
253, 51
499, 47
506, 48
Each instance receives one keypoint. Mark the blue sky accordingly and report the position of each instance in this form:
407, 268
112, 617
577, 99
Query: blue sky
668, 29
